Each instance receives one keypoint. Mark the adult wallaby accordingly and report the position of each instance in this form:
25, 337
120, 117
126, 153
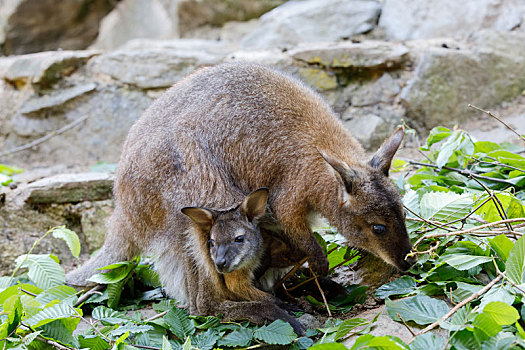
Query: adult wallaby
227, 130
227, 247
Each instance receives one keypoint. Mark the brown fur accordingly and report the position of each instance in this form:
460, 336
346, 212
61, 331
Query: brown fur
230, 129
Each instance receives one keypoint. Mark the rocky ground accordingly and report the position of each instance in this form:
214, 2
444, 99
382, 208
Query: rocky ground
377, 63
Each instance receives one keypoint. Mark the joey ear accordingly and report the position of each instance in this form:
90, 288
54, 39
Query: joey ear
383, 157
254, 205
203, 218
347, 175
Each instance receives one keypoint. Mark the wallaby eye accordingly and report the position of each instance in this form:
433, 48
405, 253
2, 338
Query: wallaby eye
239, 239
378, 229
212, 243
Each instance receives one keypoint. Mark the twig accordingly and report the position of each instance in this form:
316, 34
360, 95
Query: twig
154, 317
54, 343
145, 347
465, 172
46, 137
496, 162
505, 276
322, 293
405, 324
430, 222
28, 292
459, 306
497, 203
477, 228
290, 273
430, 250
94, 290
499, 120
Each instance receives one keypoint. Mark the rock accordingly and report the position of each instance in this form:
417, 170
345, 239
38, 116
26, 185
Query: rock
234, 31
445, 81
383, 89
371, 55
128, 21
29, 26
197, 13
93, 218
311, 21
58, 98
414, 19
161, 64
67, 188
309, 321
44, 68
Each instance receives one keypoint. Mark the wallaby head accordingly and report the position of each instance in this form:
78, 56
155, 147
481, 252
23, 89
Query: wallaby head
233, 236
371, 214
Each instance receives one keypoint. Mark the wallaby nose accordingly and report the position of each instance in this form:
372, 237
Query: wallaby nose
220, 263
411, 260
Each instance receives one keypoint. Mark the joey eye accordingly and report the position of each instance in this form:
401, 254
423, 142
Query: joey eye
212, 243
379, 229
239, 239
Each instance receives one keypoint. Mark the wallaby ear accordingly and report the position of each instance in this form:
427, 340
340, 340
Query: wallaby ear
254, 205
347, 175
203, 218
383, 157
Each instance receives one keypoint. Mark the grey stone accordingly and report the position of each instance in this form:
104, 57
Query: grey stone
198, 13
38, 25
57, 98
347, 55
128, 21
415, 19
161, 66
93, 218
445, 81
309, 321
313, 20
68, 188
383, 89
45, 68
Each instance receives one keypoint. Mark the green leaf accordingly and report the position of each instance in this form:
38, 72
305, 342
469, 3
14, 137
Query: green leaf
131, 328
516, 262
427, 341
117, 273
108, 315
166, 345
464, 290
499, 292
211, 322
387, 342
60, 331
238, 338
28, 339
465, 262
400, 286
329, 346
501, 313
43, 270
187, 344
436, 134
348, 325
304, 343
114, 292
206, 340
51, 313
15, 315
444, 206
502, 246
179, 323
61, 293
277, 332
92, 342
70, 237
120, 340
513, 207
420, 309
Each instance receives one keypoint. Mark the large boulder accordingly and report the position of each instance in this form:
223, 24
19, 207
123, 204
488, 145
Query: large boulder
489, 70
129, 21
39, 25
416, 19
313, 20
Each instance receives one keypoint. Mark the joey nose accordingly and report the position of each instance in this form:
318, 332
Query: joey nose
410, 260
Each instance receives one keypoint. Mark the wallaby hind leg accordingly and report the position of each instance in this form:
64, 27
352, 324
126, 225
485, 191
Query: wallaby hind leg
117, 247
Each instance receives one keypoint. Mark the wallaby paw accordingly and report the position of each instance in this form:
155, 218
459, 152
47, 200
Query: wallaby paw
77, 280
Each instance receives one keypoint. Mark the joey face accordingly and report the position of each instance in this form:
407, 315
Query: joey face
370, 213
233, 237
